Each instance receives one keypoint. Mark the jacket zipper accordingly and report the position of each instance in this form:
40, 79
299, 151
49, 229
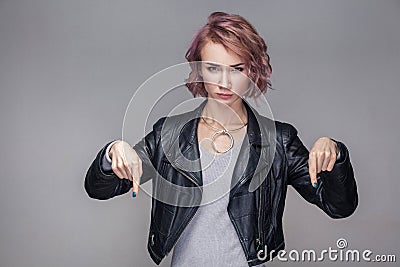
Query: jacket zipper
180, 234
259, 239
191, 179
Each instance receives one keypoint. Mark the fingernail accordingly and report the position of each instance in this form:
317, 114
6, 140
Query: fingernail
134, 194
315, 184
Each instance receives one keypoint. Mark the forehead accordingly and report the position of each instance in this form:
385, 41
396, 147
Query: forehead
219, 54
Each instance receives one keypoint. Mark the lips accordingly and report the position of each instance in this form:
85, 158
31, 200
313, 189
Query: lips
224, 96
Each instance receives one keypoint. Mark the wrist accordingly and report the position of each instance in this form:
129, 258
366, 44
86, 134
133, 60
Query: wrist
108, 155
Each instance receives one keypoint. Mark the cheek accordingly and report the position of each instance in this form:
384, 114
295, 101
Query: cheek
210, 81
240, 83
209, 86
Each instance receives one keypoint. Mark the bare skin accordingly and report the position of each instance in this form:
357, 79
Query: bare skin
125, 163
224, 75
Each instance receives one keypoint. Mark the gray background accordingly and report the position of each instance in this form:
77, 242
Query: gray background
69, 68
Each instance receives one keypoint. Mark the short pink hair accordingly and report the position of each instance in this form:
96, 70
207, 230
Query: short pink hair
237, 35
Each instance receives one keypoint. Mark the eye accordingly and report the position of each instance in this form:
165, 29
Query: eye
239, 69
212, 68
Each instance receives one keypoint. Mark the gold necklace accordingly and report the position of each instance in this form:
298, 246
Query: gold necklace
224, 132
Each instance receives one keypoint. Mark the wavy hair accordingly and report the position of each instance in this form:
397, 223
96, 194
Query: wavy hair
237, 35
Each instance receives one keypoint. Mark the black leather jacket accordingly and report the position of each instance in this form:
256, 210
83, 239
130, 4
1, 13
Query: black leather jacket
256, 215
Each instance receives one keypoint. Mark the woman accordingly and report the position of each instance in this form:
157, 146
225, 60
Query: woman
242, 227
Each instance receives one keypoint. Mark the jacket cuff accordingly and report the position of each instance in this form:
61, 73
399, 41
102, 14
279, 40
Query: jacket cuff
105, 160
340, 154
107, 156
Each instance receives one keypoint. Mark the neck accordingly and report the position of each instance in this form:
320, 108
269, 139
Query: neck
230, 116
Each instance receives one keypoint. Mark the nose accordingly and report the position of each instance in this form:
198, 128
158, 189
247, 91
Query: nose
225, 80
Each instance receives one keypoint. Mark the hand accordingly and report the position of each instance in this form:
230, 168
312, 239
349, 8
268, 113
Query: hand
322, 157
126, 164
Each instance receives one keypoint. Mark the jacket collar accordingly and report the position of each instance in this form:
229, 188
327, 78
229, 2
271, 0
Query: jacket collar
253, 130
255, 151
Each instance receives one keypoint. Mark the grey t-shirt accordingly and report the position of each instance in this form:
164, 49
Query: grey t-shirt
210, 238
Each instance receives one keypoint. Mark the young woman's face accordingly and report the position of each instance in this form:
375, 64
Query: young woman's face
224, 74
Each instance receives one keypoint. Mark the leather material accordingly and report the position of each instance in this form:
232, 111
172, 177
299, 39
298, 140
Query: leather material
256, 215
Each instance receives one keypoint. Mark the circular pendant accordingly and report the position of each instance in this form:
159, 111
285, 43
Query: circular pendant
224, 132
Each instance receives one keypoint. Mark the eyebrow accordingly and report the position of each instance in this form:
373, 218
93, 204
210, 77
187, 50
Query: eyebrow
233, 66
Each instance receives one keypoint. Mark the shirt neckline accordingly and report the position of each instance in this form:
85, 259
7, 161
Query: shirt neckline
234, 148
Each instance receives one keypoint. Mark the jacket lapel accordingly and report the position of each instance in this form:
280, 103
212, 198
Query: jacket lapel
183, 151
255, 153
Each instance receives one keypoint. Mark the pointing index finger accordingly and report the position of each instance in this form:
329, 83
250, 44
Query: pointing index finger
312, 169
135, 180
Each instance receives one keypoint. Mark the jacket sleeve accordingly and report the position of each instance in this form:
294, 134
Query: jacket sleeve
336, 193
104, 184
